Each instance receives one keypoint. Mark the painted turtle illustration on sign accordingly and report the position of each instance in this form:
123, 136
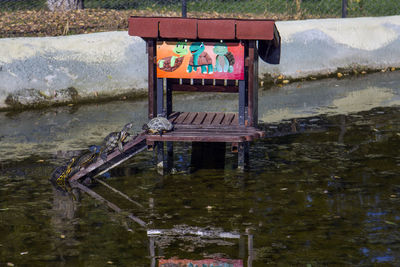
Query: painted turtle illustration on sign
224, 60
158, 125
173, 62
199, 58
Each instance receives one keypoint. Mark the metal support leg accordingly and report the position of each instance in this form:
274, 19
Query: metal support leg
152, 251
170, 156
160, 96
250, 250
243, 155
242, 102
169, 97
160, 158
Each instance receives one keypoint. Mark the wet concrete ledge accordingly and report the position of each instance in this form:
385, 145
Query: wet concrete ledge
75, 127
45, 71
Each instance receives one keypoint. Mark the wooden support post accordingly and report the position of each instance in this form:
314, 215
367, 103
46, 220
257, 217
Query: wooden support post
243, 155
255, 88
252, 84
160, 96
152, 77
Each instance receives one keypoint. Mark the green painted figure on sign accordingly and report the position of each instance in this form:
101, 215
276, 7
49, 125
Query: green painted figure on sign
224, 60
199, 58
173, 62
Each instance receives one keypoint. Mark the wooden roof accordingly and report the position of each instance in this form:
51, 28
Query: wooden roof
192, 28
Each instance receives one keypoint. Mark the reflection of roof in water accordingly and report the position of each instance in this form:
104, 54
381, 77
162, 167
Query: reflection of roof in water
196, 231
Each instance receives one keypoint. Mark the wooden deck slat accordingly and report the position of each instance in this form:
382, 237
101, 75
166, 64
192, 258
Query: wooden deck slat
207, 127
199, 119
211, 134
199, 138
215, 126
228, 119
173, 116
235, 120
209, 118
218, 119
210, 138
214, 132
181, 117
190, 118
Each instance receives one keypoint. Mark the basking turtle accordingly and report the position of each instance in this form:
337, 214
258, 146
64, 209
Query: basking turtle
158, 125
85, 158
113, 140
61, 174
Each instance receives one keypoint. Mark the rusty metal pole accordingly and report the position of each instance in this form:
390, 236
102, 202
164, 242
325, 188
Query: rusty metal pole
344, 8
184, 13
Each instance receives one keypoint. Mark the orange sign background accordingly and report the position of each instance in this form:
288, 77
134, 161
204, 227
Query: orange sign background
165, 50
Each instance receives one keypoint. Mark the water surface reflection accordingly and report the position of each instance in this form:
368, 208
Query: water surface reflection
322, 191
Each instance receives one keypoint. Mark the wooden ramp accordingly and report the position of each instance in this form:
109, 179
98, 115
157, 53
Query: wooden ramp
131, 148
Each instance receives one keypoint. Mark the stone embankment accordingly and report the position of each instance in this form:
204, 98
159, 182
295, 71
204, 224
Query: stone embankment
47, 71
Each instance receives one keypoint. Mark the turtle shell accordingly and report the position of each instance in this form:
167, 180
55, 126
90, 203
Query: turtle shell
167, 64
231, 58
111, 140
160, 124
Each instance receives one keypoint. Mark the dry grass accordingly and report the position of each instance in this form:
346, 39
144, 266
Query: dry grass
47, 23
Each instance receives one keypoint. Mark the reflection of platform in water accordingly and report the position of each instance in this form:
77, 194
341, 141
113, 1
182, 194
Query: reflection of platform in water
201, 237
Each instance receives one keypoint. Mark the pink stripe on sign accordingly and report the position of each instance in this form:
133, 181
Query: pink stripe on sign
206, 262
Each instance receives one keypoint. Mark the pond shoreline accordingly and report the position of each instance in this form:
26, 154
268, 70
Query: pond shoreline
37, 71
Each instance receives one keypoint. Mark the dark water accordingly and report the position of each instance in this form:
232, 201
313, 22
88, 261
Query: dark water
321, 191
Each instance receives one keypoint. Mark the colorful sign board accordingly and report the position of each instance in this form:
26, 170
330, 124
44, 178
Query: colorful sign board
200, 60
200, 263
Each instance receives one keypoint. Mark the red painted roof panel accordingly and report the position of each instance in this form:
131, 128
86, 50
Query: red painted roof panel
216, 29
192, 28
181, 28
255, 29
143, 27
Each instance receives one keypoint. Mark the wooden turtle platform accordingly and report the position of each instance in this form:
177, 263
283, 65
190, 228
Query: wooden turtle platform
181, 38
169, 39
207, 127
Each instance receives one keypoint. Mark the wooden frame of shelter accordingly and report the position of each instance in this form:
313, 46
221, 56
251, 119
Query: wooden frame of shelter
216, 127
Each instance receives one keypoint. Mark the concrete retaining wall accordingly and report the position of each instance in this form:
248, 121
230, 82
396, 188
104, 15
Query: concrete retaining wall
47, 70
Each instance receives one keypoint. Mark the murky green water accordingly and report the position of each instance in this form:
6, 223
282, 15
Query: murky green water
322, 191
